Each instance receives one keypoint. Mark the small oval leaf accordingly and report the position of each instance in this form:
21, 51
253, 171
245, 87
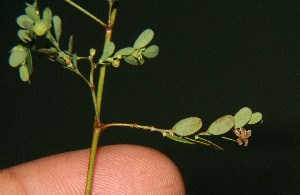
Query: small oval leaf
187, 126
57, 23
242, 117
28, 26
131, 60
23, 18
24, 74
24, 35
151, 52
255, 118
18, 56
47, 17
32, 13
221, 125
108, 50
144, 38
124, 52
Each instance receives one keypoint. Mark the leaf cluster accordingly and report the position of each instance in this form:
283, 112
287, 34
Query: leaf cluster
33, 25
192, 125
132, 55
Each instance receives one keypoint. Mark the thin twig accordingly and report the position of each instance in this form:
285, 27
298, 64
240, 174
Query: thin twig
227, 138
87, 13
151, 128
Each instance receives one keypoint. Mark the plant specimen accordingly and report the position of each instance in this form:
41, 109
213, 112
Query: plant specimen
36, 24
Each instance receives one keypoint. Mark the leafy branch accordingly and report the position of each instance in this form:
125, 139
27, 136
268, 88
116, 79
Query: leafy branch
36, 25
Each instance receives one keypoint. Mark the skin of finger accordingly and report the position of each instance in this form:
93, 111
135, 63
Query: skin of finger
119, 169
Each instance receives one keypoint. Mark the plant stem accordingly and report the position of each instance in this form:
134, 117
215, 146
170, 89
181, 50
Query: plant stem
227, 138
100, 90
151, 128
86, 12
92, 87
96, 135
97, 124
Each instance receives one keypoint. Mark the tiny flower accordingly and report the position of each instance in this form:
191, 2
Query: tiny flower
243, 135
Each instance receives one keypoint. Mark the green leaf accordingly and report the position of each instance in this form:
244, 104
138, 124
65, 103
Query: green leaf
242, 117
18, 56
24, 18
24, 74
255, 118
29, 62
44, 51
131, 60
187, 126
32, 13
74, 60
151, 51
108, 50
221, 125
47, 17
39, 28
57, 23
24, 35
179, 139
144, 38
71, 41
29, 26
124, 52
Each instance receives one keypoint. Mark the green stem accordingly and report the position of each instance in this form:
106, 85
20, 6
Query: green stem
92, 87
151, 128
100, 90
227, 138
96, 135
50, 37
212, 144
97, 126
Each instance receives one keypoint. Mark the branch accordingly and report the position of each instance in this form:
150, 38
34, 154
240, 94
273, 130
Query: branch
86, 13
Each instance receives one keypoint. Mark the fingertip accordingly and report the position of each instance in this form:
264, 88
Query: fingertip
119, 169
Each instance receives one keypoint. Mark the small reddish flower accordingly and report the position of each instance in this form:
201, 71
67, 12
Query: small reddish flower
243, 135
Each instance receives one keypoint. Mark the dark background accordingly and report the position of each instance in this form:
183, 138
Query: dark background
215, 57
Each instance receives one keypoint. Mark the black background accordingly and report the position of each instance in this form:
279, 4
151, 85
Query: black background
215, 57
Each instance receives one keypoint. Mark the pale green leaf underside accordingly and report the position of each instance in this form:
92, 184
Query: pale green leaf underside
32, 13
221, 125
24, 74
187, 126
144, 38
255, 118
125, 51
242, 117
17, 57
23, 18
131, 60
151, 52
47, 17
57, 27
24, 35
108, 50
